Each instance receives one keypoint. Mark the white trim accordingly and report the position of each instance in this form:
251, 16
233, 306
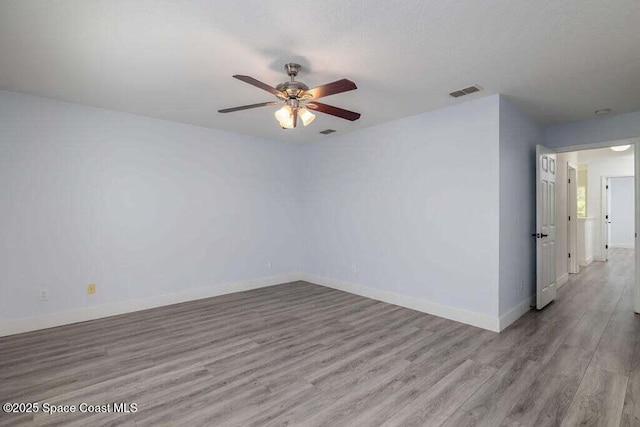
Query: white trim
562, 280
516, 313
16, 326
636, 171
587, 261
622, 245
572, 211
448, 312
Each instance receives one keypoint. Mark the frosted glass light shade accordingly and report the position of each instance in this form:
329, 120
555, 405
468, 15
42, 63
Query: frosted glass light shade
284, 116
306, 116
621, 148
288, 123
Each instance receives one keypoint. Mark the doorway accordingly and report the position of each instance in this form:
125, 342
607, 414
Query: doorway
586, 228
619, 212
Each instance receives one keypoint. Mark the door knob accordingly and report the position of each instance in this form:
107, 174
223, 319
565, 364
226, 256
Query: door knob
544, 235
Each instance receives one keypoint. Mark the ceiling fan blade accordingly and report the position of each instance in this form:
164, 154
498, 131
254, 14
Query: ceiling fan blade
246, 107
259, 84
334, 111
295, 117
338, 86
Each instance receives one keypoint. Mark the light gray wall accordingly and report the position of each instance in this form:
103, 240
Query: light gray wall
439, 206
141, 207
409, 207
518, 138
622, 212
599, 129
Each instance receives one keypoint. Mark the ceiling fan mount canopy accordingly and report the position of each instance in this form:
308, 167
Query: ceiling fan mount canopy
292, 69
297, 99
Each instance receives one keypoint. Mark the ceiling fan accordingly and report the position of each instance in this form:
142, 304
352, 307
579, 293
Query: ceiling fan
297, 99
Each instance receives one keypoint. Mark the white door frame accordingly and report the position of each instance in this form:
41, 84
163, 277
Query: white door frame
605, 229
636, 146
572, 212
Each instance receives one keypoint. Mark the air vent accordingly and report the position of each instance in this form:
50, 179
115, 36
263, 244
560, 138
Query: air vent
327, 131
466, 91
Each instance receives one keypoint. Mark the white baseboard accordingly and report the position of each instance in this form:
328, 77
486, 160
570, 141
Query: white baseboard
622, 245
516, 312
586, 262
562, 280
448, 312
16, 326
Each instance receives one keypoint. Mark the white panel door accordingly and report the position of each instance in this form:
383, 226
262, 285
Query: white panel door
621, 212
546, 172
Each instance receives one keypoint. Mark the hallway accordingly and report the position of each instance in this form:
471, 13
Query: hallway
589, 335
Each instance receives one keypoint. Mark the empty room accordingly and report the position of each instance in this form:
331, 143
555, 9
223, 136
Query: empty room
319, 213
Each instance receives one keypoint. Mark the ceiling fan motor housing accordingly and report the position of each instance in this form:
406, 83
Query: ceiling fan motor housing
293, 89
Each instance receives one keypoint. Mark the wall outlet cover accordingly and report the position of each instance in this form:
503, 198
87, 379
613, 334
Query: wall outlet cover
91, 288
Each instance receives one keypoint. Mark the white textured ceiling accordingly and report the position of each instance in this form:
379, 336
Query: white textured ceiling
558, 59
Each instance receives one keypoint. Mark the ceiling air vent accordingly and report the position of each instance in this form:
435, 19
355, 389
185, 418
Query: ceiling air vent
327, 131
466, 91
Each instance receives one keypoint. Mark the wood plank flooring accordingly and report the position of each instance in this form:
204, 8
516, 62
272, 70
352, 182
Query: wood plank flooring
301, 354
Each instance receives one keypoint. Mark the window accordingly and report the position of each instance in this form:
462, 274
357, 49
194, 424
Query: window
583, 180
582, 202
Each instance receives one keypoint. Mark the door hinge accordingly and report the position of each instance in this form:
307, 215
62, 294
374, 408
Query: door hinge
569, 180
607, 187
569, 217
606, 246
606, 217
569, 254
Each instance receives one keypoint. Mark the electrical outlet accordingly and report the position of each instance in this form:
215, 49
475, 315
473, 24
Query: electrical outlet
269, 264
43, 295
522, 285
354, 268
91, 288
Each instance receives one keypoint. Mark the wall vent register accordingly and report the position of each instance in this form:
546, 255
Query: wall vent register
466, 91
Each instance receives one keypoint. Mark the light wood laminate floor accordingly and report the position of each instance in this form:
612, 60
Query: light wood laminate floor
301, 354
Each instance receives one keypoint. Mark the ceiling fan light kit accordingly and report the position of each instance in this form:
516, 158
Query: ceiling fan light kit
284, 116
297, 99
621, 147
